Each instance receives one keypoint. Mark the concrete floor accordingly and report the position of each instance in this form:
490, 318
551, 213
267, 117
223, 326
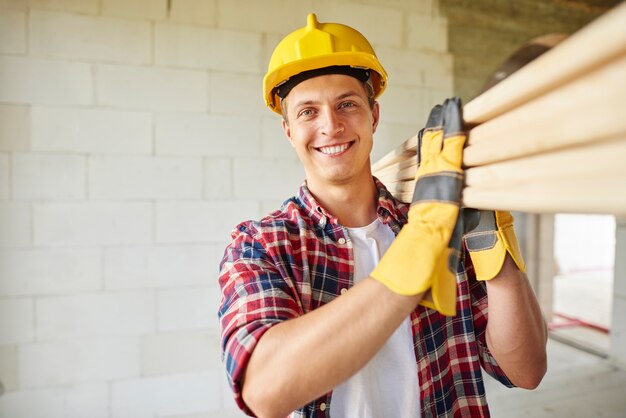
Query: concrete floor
578, 384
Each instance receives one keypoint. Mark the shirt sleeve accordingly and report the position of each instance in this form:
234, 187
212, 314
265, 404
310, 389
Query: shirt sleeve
255, 296
480, 311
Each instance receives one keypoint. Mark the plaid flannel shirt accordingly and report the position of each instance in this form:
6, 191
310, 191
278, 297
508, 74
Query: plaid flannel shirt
299, 258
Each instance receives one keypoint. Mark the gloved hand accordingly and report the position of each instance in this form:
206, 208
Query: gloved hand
425, 253
489, 243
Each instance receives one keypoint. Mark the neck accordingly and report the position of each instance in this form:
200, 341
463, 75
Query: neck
354, 203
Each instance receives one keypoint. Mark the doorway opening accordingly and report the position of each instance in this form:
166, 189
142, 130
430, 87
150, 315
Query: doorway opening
584, 251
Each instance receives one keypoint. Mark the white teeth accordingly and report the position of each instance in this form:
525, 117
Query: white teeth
334, 150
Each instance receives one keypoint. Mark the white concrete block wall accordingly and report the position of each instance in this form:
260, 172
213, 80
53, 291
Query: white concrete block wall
133, 138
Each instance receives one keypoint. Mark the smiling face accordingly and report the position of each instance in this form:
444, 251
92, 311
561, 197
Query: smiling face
331, 126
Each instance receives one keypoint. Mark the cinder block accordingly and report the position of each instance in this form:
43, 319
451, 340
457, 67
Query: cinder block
101, 314
152, 88
267, 178
84, 400
417, 68
282, 17
364, 18
91, 131
237, 94
64, 362
13, 32
15, 224
93, 223
425, 7
164, 266
190, 222
196, 12
41, 176
389, 135
270, 41
207, 135
8, 367
439, 71
187, 308
99, 38
15, 133
114, 177
403, 66
80, 6
218, 178
426, 33
16, 320
49, 271
30, 80
274, 143
270, 205
4, 177
166, 395
142, 9
435, 97
195, 47
404, 104
206, 414
178, 352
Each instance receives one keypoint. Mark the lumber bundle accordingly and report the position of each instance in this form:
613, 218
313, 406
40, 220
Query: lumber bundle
550, 138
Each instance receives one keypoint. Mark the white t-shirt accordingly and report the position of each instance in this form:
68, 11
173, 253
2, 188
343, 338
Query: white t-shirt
387, 387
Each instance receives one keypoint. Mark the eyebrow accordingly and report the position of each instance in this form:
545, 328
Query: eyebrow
342, 96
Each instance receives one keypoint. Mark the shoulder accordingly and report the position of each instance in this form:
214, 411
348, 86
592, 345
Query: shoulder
289, 217
272, 234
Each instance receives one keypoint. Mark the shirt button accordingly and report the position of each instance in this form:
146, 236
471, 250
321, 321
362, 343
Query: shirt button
344, 290
323, 406
323, 222
341, 240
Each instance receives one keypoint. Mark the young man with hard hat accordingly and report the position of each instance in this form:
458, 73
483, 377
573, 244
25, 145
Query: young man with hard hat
347, 303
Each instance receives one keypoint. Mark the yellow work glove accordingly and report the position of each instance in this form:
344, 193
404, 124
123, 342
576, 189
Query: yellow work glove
489, 243
423, 255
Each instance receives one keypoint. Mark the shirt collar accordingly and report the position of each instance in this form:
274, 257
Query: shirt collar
388, 208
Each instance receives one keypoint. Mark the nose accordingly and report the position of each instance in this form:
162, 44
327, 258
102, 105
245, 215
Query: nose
331, 123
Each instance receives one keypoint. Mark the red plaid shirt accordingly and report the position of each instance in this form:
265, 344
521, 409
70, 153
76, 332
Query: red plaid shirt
299, 258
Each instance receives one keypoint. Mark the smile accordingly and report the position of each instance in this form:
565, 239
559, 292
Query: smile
335, 149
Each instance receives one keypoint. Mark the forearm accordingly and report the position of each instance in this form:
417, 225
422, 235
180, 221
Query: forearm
516, 330
299, 360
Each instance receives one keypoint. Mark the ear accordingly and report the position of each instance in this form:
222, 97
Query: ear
287, 131
375, 116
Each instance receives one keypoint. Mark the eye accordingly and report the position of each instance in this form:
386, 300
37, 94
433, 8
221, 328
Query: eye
306, 112
347, 104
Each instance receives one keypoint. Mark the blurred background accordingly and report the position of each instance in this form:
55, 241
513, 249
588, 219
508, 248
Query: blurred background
133, 138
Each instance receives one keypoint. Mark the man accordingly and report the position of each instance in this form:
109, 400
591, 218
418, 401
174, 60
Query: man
328, 309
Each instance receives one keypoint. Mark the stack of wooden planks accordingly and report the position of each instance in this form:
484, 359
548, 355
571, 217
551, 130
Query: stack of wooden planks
549, 138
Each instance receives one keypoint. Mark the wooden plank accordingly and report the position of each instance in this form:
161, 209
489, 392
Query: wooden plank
589, 109
590, 48
589, 195
605, 159
552, 136
402, 170
554, 182
400, 153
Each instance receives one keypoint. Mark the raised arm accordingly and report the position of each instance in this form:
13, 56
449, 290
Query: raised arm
301, 359
516, 332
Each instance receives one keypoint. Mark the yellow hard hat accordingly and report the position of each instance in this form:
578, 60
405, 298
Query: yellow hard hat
332, 46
